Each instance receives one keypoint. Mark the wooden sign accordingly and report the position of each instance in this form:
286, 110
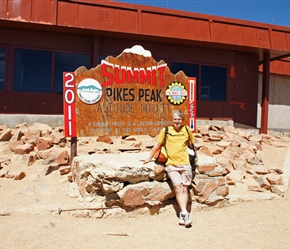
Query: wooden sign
131, 94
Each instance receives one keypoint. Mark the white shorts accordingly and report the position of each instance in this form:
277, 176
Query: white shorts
180, 174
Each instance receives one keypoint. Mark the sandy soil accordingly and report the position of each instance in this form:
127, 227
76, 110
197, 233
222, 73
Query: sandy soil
25, 223
255, 225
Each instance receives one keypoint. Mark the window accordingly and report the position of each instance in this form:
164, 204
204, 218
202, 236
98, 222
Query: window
2, 68
211, 81
101, 58
65, 62
33, 69
191, 70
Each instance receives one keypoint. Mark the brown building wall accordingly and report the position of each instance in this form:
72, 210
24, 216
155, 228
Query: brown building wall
246, 89
242, 76
107, 28
242, 72
35, 103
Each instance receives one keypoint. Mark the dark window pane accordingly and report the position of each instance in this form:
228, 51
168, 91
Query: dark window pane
67, 62
2, 68
32, 70
190, 70
213, 83
101, 58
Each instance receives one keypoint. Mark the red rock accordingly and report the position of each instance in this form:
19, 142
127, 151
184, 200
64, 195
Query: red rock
41, 128
3, 173
263, 182
133, 198
62, 158
6, 135
56, 157
208, 188
156, 194
44, 143
19, 176
274, 179
64, 170
205, 150
14, 144
105, 139
200, 185
24, 149
32, 135
206, 168
9, 176
58, 138
223, 191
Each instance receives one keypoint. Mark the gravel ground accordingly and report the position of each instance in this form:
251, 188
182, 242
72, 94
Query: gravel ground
247, 225
256, 224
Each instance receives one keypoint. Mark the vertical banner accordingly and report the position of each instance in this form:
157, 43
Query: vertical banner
192, 104
69, 104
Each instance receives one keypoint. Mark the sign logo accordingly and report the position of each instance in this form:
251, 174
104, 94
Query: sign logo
89, 91
176, 93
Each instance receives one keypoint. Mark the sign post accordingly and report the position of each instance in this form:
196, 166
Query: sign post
69, 111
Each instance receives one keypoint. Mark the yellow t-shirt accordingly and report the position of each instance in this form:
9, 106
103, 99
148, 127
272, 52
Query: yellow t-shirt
176, 145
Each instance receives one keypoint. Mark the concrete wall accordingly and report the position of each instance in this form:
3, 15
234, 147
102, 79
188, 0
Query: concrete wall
279, 103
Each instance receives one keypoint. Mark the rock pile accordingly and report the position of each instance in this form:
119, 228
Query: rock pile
110, 169
228, 159
236, 162
28, 145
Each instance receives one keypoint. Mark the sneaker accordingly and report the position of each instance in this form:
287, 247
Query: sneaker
181, 219
187, 220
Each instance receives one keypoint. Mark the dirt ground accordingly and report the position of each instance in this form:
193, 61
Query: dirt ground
26, 224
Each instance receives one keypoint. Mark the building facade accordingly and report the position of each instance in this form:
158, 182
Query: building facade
41, 39
279, 99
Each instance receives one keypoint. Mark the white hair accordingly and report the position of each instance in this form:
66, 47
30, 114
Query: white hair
179, 113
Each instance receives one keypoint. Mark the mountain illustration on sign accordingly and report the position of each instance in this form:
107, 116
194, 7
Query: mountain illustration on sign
90, 88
